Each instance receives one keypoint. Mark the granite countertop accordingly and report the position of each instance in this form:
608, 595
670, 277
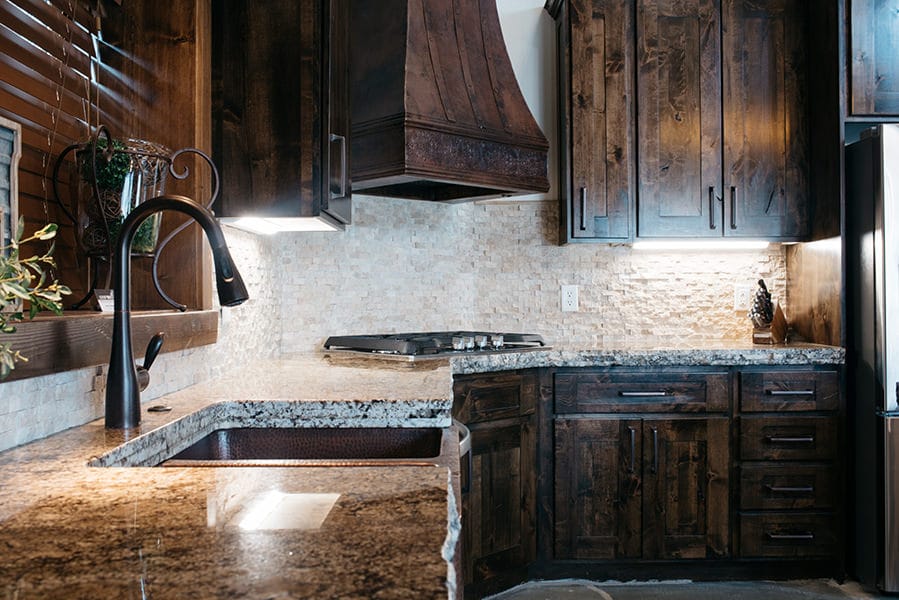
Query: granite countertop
127, 529
70, 530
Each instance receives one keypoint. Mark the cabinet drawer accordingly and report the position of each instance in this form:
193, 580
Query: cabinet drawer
775, 486
479, 398
788, 438
789, 391
785, 535
634, 391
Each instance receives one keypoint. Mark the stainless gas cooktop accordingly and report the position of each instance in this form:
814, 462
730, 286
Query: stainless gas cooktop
434, 345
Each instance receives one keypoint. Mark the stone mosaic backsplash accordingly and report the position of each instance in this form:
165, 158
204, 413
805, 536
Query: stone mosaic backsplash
410, 266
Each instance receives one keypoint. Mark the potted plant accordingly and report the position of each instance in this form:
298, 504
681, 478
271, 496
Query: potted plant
25, 280
113, 178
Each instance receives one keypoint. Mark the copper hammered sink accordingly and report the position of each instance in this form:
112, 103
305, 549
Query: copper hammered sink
358, 446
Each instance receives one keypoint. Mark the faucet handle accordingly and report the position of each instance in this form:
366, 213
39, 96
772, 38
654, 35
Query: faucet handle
153, 347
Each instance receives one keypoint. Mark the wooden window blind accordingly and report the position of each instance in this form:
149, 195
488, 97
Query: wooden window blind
51, 83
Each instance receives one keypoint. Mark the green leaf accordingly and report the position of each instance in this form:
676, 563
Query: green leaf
16, 290
48, 295
47, 232
20, 228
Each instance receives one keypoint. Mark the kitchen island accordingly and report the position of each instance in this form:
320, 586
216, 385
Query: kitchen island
127, 529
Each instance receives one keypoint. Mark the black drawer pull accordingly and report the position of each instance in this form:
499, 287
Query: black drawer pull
807, 439
655, 450
805, 535
791, 489
790, 392
633, 434
655, 393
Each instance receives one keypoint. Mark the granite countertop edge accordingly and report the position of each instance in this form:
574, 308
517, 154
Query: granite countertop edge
723, 355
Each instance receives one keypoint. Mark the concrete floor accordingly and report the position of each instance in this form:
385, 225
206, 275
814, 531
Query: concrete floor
575, 589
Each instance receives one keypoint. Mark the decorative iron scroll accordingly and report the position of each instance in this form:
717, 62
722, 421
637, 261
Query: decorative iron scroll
110, 179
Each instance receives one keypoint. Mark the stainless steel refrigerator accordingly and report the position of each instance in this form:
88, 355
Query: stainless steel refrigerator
872, 336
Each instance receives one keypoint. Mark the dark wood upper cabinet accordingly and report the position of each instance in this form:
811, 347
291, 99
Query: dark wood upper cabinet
596, 86
747, 177
874, 58
765, 119
281, 108
679, 99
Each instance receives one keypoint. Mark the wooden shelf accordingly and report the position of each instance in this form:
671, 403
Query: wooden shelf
83, 339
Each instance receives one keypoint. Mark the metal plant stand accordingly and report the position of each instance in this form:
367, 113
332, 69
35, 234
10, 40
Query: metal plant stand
111, 178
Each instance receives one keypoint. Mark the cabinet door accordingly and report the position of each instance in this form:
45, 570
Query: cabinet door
874, 38
679, 99
765, 131
598, 492
280, 108
685, 499
498, 512
600, 123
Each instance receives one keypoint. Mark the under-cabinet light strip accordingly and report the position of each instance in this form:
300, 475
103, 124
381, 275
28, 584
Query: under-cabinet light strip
700, 245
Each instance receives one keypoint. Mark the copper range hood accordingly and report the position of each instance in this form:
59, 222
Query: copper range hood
437, 113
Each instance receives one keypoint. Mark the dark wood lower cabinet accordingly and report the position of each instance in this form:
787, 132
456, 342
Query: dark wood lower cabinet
641, 488
652, 473
499, 491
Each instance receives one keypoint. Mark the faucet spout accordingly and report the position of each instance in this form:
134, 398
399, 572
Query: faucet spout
122, 386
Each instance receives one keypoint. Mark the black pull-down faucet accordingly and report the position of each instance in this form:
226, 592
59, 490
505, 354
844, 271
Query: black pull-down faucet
122, 383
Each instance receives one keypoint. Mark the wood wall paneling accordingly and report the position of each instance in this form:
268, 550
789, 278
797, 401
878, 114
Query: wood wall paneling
154, 84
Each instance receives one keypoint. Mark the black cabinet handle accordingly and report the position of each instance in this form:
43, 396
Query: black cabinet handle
733, 207
790, 392
790, 489
342, 185
654, 393
805, 535
804, 439
583, 209
633, 435
655, 450
712, 224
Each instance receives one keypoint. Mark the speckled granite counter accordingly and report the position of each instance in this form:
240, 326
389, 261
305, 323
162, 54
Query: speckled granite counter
69, 530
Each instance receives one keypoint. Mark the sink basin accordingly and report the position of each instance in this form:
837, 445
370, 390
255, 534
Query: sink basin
249, 446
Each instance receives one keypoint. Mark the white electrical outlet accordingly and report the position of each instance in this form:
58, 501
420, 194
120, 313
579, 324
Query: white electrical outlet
569, 298
742, 297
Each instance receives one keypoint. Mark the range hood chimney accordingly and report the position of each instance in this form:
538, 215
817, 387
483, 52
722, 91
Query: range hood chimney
437, 113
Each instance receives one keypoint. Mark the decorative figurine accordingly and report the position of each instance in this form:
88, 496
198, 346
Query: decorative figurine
762, 311
769, 324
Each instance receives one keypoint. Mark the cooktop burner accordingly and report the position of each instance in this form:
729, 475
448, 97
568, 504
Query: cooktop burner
439, 344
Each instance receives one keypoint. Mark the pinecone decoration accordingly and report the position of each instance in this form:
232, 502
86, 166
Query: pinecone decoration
762, 311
